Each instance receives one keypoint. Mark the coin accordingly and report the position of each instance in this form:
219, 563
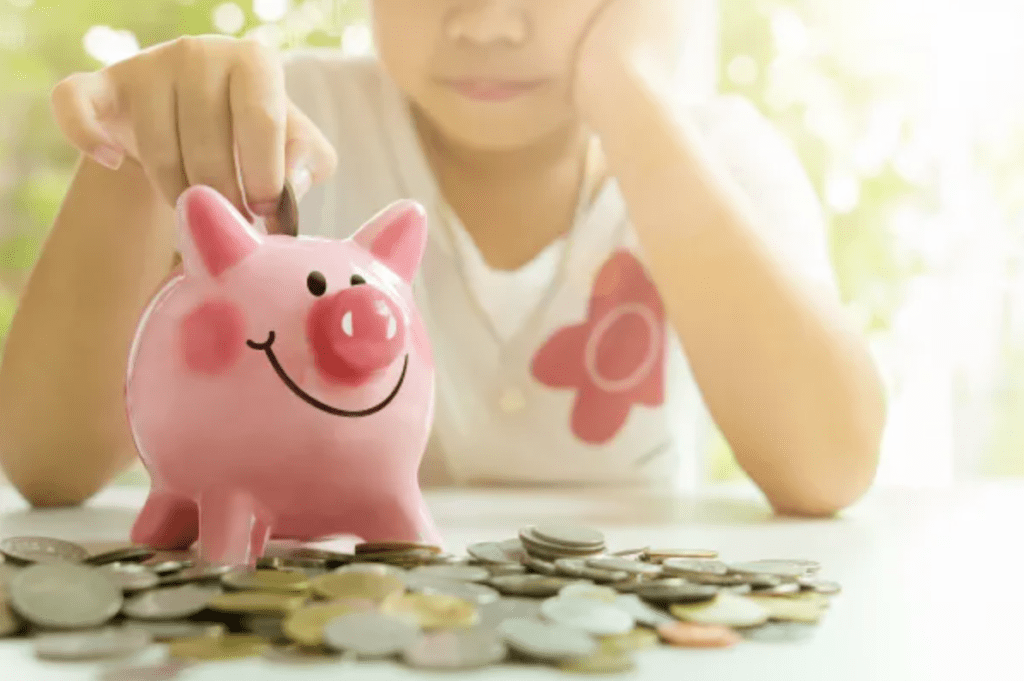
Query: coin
544, 567
372, 568
569, 535
792, 609
287, 214
659, 555
470, 591
195, 573
370, 634
64, 596
266, 580
456, 650
227, 647
593, 617
298, 654
624, 565
433, 611
540, 640
306, 625
641, 612
786, 569
170, 603
677, 593
124, 554
504, 569
462, 573
529, 585
493, 552
727, 609
602, 662
687, 566
493, 614
167, 567
639, 554
160, 671
165, 631
42, 550
591, 591
779, 632
266, 602
91, 645
631, 641
385, 546
691, 635
367, 585
9, 622
821, 586
129, 576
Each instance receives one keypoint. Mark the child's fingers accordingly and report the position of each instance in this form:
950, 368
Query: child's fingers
154, 115
309, 156
259, 110
76, 102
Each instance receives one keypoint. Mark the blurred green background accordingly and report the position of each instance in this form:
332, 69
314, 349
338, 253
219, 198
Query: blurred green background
906, 114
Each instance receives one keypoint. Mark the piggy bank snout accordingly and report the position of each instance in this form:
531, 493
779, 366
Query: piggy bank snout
355, 333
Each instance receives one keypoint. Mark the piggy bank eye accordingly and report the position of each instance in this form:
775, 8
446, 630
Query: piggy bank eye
356, 280
316, 282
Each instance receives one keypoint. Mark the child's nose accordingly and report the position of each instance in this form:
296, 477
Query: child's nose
488, 22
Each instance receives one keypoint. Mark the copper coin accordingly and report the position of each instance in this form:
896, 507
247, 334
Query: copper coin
687, 635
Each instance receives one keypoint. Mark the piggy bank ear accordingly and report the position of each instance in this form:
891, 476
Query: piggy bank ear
397, 236
213, 235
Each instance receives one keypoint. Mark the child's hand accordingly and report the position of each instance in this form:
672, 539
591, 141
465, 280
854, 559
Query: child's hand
182, 108
640, 36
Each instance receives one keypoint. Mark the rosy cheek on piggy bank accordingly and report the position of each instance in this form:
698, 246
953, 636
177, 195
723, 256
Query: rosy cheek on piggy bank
212, 336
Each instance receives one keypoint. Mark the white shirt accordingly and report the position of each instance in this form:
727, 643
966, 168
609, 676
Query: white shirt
535, 385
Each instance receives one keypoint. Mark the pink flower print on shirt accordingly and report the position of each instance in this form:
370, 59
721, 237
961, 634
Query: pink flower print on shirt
615, 359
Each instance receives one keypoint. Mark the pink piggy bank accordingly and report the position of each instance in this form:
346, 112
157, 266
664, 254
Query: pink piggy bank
282, 387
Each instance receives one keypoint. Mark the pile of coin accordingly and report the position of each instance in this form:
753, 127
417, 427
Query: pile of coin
554, 595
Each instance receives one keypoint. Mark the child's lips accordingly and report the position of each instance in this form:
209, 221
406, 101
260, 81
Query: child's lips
490, 90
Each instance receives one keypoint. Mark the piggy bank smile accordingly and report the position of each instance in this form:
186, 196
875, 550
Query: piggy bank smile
266, 347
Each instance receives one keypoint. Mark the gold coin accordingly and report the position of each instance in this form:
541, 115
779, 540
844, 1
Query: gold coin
791, 609
227, 647
263, 602
306, 625
433, 611
599, 663
638, 639
388, 546
340, 585
266, 580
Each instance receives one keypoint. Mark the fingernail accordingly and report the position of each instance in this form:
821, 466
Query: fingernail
109, 157
264, 208
301, 180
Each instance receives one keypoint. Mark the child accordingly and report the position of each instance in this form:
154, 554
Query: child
585, 230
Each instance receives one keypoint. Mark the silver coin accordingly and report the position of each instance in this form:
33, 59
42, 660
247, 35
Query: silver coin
493, 614
42, 550
130, 576
167, 567
124, 554
681, 593
787, 569
783, 589
822, 586
374, 568
779, 632
370, 634
543, 567
642, 612
91, 645
538, 586
196, 573
467, 591
738, 589
605, 594
166, 631
160, 671
542, 548
10, 623
719, 580
592, 616
623, 565
461, 573
171, 603
569, 535
455, 650
64, 596
506, 569
578, 567
543, 641
687, 566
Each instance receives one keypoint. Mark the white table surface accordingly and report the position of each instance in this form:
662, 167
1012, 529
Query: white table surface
932, 580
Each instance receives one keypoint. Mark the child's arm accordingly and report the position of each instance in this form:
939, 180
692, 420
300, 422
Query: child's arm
63, 431
786, 377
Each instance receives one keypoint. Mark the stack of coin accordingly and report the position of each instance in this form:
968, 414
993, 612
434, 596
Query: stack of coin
554, 595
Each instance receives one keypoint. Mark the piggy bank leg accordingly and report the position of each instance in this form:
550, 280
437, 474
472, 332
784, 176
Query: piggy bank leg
166, 522
233, 529
407, 519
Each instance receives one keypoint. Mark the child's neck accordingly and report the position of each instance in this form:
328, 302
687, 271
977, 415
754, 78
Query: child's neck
512, 203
